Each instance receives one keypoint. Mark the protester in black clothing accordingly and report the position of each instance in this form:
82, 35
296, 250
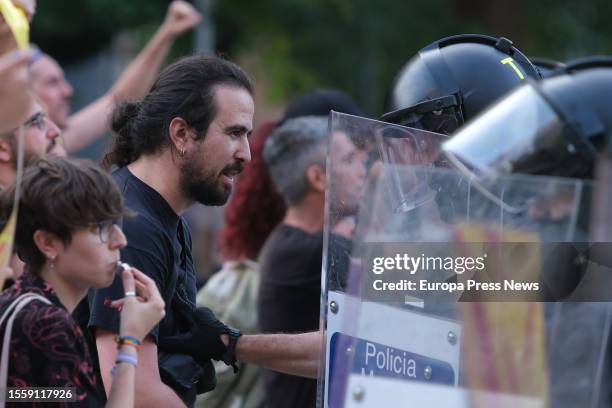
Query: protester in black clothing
290, 288
186, 141
68, 236
288, 302
158, 242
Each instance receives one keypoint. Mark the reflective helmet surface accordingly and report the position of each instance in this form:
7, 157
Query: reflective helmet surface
555, 127
581, 94
454, 79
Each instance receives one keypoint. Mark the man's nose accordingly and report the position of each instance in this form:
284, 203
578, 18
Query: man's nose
244, 150
52, 130
67, 89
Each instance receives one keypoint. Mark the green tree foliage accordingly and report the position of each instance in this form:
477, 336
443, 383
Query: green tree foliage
360, 45
355, 45
70, 29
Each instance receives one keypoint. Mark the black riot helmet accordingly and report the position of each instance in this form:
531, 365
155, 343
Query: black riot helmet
554, 127
453, 79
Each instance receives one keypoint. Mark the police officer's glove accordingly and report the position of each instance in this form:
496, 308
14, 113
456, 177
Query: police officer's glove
203, 340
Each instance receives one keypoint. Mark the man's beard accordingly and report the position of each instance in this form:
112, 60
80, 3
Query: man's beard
29, 158
203, 189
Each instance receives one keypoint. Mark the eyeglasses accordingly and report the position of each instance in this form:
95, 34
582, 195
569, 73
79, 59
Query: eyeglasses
37, 120
105, 229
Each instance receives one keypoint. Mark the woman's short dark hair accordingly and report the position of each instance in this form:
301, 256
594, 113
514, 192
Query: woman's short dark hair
184, 89
59, 195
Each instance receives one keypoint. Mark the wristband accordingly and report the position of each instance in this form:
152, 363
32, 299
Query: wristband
126, 358
135, 346
229, 357
128, 340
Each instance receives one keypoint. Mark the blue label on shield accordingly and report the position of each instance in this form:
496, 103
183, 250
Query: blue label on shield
354, 355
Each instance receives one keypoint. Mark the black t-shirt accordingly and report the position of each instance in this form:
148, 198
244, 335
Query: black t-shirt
159, 244
288, 302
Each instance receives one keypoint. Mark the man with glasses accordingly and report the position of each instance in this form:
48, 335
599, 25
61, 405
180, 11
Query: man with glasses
40, 137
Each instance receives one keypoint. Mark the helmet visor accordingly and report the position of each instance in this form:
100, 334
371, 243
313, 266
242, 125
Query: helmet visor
405, 149
521, 133
441, 115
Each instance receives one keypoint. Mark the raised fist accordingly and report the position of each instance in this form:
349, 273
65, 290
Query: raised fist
181, 17
29, 6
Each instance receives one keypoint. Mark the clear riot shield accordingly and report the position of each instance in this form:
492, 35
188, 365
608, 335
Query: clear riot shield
441, 290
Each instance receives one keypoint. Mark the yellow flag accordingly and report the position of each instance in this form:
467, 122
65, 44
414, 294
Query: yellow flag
504, 351
504, 343
17, 21
6, 244
7, 235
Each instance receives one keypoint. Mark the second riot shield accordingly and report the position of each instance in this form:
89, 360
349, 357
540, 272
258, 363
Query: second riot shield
442, 290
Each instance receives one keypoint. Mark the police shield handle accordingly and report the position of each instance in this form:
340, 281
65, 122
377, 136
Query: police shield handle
17, 21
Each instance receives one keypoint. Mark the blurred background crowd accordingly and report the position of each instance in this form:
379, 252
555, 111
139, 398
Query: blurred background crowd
291, 47
305, 57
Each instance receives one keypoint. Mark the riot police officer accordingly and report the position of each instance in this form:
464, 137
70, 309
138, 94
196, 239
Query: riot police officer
555, 127
450, 81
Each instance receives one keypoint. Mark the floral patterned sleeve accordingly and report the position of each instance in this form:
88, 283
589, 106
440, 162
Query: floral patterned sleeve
48, 349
